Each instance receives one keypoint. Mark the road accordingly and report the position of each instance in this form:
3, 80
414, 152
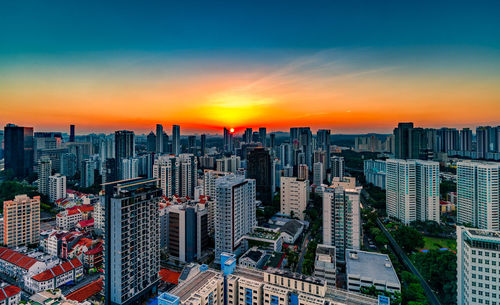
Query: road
431, 296
303, 252
87, 280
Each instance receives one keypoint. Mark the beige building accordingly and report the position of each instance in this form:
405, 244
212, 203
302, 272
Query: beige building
294, 195
21, 221
345, 182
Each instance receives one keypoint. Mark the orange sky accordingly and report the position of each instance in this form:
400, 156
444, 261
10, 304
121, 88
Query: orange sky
308, 91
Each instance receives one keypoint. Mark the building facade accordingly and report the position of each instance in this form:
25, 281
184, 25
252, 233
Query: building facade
21, 221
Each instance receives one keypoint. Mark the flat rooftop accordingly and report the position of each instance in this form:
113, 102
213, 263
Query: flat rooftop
187, 289
372, 265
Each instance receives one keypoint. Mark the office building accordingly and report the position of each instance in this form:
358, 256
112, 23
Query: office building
324, 143
318, 173
176, 140
402, 135
342, 219
294, 197
478, 266
478, 194
303, 172
374, 171
367, 269
191, 147
338, 167
57, 187
71, 133
259, 168
263, 136
44, 168
18, 150
68, 164
159, 139
130, 168
228, 164
124, 148
131, 240
21, 221
325, 266
203, 144
87, 174
412, 190
234, 212
187, 234
228, 141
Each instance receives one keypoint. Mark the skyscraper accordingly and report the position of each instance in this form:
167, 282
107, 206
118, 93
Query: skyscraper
71, 133
342, 219
294, 197
44, 168
478, 194
176, 175
19, 150
318, 173
124, 148
259, 168
412, 190
272, 141
402, 139
21, 221
466, 139
131, 240
192, 144
478, 269
176, 140
337, 167
151, 142
234, 213
481, 142
228, 141
323, 142
263, 136
130, 168
57, 187
203, 143
248, 135
159, 138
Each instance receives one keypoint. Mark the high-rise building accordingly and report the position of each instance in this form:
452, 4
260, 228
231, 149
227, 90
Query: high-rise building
18, 150
192, 144
188, 176
166, 144
177, 175
151, 142
228, 141
412, 190
478, 194
402, 136
68, 164
109, 173
478, 266
209, 178
234, 212
323, 142
342, 219
303, 172
21, 221
272, 141
294, 197
203, 144
87, 176
130, 168
318, 171
187, 238
259, 168
263, 136
71, 133
228, 164
44, 168
466, 139
131, 240
176, 140
124, 148
286, 154
248, 135
159, 138
374, 171
482, 142
57, 187
337, 167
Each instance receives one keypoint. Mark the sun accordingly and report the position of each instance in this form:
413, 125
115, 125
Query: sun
231, 130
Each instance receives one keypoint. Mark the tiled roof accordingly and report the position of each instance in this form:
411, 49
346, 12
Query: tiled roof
8, 291
86, 292
96, 250
169, 276
57, 270
86, 223
17, 258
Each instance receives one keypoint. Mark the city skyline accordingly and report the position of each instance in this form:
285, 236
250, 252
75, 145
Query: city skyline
314, 65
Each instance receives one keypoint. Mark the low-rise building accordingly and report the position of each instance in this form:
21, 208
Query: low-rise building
18, 266
291, 231
366, 269
55, 277
254, 258
269, 239
70, 217
325, 264
10, 295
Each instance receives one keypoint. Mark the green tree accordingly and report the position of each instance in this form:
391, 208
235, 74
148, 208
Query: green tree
408, 238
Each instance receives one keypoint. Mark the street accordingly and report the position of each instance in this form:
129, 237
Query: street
303, 252
87, 280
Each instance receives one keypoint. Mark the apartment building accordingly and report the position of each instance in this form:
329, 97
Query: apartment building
21, 221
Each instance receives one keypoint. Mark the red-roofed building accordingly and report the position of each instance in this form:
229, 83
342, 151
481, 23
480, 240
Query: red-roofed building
57, 276
70, 217
93, 257
18, 265
77, 250
86, 291
86, 225
10, 295
169, 276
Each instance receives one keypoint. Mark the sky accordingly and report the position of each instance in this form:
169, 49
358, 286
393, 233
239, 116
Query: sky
350, 66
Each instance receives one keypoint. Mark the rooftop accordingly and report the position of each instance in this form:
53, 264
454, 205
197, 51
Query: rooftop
297, 276
370, 265
17, 258
185, 290
57, 270
86, 291
8, 291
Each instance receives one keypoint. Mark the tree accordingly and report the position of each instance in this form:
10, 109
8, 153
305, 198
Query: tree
408, 238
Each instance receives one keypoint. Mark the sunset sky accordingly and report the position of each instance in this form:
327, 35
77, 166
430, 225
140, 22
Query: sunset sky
351, 66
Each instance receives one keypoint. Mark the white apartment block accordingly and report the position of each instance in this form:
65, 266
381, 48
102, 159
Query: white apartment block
177, 175
478, 185
318, 171
235, 207
130, 168
478, 266
228, 164
21, 221
44, 167
57, 187
412, 190
342, 219
252, 287
294, 196
209, 177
